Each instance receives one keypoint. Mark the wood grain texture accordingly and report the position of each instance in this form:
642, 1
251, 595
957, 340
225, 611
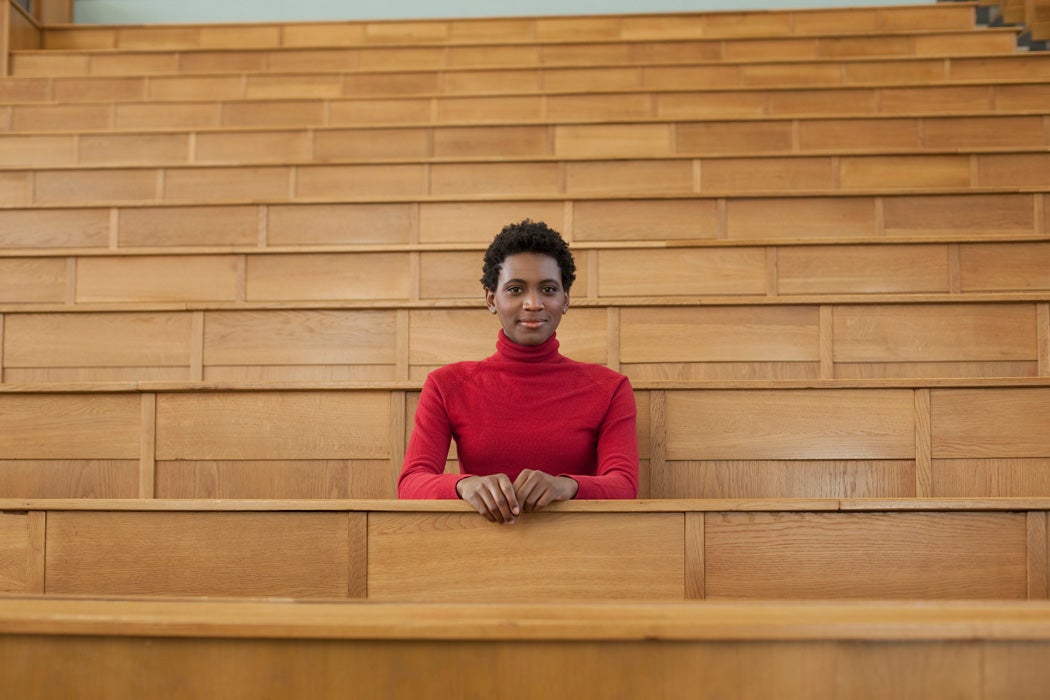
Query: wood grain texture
1038, 566
786, 479
991, 423
545, 556
895, 555
14, 552
70, 478
275, 479
260, 554
991, 477
69, 427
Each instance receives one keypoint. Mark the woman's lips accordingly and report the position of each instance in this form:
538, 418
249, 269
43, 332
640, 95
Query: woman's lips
532, 322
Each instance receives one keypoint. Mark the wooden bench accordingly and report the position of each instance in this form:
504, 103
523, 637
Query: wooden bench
444, 552
222, 649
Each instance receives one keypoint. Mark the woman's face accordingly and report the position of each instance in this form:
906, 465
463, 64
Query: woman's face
529, 298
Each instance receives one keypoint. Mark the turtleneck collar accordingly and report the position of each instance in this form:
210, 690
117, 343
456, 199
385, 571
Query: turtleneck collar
509, 351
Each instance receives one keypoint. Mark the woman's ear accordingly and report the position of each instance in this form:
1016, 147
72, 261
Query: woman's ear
490, 300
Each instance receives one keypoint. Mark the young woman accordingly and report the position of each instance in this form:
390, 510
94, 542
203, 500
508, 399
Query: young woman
531, 426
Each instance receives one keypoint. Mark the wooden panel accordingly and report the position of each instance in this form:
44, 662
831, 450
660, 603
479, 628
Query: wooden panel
51, 187
36, 150
599, 107
379, 112
984, 132
511, 141
929, 333
16, 188
299, 337
195, 87
788, 479
452, 276
481, 110
321, 277
479, 222
866, 555
273, 426
985, 215
333, 145
188, 226
682, 271
823, 102
70, 228
360, 181
258, 147
851, 134
558, 557
44, 64
157, 279
14, 552
645, 220
340, 224
293, 86
631, 176
69, 427
58, 117
298, 555
904, 172
67, 90
81, 478
993, 478
146, 149
990, 423
810, 218
804, 424
168, 115
1004, 267
593, 79
734, 137
862, 269
582, 334
497, 179
200, 185
719, 334
936, 100
612, 140
97, 340
1013, 170
291, 479
32, 280
769, 174
373, 84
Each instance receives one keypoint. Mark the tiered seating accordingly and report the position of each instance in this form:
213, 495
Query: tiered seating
817, 242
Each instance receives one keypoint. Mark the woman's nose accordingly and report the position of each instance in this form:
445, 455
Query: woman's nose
533, 301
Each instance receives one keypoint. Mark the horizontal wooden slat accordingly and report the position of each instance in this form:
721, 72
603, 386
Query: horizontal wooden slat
966, 423
291, 479
894, 555
65, 426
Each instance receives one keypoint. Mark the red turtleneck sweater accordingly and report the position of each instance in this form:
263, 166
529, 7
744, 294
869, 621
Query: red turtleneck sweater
525, 407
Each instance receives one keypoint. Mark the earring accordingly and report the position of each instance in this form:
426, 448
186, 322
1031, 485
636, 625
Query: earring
492, 309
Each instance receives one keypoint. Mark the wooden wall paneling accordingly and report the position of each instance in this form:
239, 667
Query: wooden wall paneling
189, 88
850, 133
695, 554
923, 458
858, 555
991, 477
633, 176
2, 316
380, 112
400, 427
230, 148
54, 228
69, 426
408, 83
156, 279
300, 343
613, 140
6, 10
36, 522
107, 346
148, 447
332, 181
770, 174
292, 86
486, 141
730, 137
840, 218
910, 269
878, 340
454, 275
275, 479
202, 185
682, 271
827, 342
1004, 267
990, 423
620, 220
788, 478
836, 424
659, 472
479, 222
297, 425
167, 115
753, 340
560, 557
377, 143
90, 186
1043, 323
82, 477
188, 226
1012, 170
357, 555
325, 277
16, 188
1038, 567
34, 149
986, 215
499, 179
340, 224
904, 172
300, 555
15, 554
645, 439
274, 113
134, 149
48, 64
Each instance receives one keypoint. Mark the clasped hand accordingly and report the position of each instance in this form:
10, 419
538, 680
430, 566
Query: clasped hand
500, 501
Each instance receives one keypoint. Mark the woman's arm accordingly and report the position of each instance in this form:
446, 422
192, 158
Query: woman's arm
617, 473
422, 475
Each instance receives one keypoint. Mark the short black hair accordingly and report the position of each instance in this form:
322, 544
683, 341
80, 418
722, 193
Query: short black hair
527, 237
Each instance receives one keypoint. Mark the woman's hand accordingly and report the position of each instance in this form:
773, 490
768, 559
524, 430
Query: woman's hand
536, 489
493, 496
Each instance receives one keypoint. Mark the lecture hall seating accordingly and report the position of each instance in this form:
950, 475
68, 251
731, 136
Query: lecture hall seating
816, 241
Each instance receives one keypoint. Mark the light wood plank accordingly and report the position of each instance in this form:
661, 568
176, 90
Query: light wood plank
788, 479
188, 226
14, 552
69, 427
991, 477
621, 220
1004, 267
273, 426
458, 222
499, 179
862, 269
1038, 567
402, 565
32, 280
156, 279
803, 424
681, 271
848, 555
809, 218
996, 423
253, 147
340, 224
275, 479
923, 459
327, 277
69, 478
298, 555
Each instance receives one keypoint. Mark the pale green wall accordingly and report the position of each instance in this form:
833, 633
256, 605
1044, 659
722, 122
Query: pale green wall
165, 11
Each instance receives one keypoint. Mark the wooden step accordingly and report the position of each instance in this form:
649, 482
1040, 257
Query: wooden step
215, 649
434, 81
970, 215
818, 22
785, 549
594, 107
565, 141
507, 54
768, 176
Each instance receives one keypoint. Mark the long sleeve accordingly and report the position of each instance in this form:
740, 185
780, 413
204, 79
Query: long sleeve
423, 473
617, 451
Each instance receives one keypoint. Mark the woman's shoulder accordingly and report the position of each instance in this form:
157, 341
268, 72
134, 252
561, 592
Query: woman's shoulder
599, 374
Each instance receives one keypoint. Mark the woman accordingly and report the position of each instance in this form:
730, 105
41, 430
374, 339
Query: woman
531, 426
